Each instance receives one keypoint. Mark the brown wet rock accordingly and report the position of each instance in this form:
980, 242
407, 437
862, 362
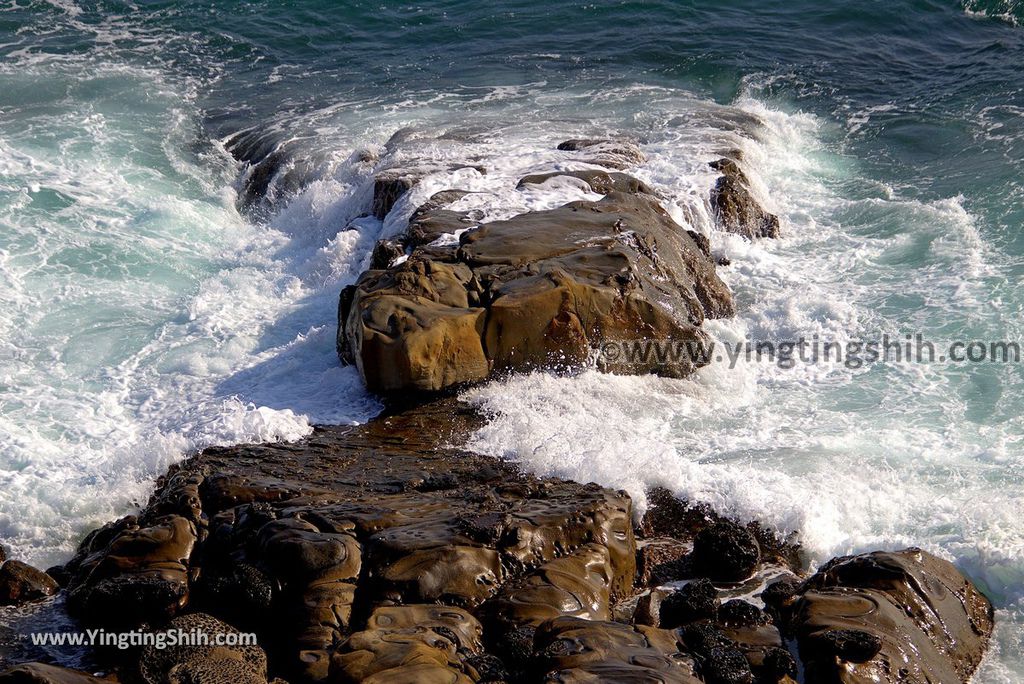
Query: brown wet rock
388, 188
601, 182
411, 654
21, 583
538, 290
613, 154
577, 585
142, 574
42, 673
575, 650
195, 664
417, 326
385, 252
735, 208
902, 616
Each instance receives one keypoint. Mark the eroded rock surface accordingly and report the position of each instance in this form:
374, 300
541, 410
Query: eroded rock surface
541, 289
903, 616
370, 554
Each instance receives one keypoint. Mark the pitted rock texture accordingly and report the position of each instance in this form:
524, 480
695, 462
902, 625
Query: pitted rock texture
902, 616
541, 289
370, 554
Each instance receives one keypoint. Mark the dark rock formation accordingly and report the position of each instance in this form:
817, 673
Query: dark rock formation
726, 551
697, 600
538, 290
735, 208
371, 554
905, 616
20, 583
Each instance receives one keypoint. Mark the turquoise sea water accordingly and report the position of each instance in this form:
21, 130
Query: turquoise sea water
143, 316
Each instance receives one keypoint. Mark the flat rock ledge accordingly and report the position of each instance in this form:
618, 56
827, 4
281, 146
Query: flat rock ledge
369, 554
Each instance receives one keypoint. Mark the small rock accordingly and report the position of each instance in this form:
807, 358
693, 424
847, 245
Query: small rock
737, 613
20, 583
726, 551
697, 600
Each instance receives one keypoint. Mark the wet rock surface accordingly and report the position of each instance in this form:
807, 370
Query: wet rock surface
736, 209
21, 583
541, 289
903, 616
369, 554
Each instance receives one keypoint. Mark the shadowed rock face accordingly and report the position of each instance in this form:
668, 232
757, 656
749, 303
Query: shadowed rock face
540, 289
735, 208
905, 616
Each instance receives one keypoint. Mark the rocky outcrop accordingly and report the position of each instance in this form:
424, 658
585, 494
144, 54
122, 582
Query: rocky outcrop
903, 616
542, 289
20, 583
371, 554
735, 208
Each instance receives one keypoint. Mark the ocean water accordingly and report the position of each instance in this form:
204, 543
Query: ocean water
143, 315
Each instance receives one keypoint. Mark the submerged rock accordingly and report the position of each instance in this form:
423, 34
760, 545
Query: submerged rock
613, 154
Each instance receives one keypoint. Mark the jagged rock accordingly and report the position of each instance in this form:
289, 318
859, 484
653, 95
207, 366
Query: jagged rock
613, 154
190, 663
600, 182
726, 551
697, 600
902, 616
21, 583
571, 649
734, 206
388, 188
539, 289
41, 673
385, 252
142, 574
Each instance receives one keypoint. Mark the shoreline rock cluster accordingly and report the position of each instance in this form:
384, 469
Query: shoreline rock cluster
378, 554
370, 554
542, 289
